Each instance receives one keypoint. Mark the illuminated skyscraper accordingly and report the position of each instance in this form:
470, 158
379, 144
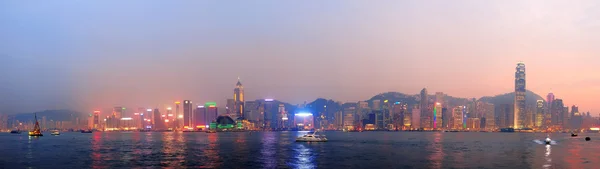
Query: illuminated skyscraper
558, 115
96, 120
211, 111
437, 116
539, 113
179, 121
457, 117
200, 121
187, 114
238, 97
159, 123
425, 116
520, 114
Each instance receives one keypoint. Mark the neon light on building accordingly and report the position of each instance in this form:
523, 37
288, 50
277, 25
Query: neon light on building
435, 117
465, 117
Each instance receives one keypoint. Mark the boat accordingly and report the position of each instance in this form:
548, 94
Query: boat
211, 131
86, 131
311, 137
36, 129
510, 130
55, 132
548, 141
15, 131
573, 134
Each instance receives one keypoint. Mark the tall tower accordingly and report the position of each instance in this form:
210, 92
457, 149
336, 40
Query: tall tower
179, 121
425, 116
238, 98
187, 114
520, 114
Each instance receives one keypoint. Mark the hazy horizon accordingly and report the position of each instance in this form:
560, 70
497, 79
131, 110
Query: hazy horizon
95, 55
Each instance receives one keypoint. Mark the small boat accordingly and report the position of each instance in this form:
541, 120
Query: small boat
15, 132
311, 137
573, 134
36, 129
86, 131
55, 132
548, 141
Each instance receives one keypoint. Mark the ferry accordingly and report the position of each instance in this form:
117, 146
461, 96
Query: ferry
510, 130
86, 131
311, 137
15, 132
55, 132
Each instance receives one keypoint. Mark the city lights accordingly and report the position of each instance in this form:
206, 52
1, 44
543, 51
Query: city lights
269, 100
303, 114
126, 118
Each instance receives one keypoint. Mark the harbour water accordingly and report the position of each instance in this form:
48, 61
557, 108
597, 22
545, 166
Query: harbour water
279, 150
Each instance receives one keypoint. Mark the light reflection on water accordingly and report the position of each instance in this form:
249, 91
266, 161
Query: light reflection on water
279, 150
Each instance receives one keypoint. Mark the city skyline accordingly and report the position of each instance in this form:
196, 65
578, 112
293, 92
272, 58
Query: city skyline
84, 60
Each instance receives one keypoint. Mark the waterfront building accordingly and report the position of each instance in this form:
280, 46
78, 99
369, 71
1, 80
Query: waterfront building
520, 92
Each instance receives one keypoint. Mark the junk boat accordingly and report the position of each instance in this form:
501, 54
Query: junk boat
36, 129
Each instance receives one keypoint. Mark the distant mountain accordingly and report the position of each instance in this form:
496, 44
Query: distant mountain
56, 115
509, 98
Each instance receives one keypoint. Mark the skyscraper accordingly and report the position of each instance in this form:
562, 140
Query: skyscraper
211, 111
200, 118
159, 124
238, 97
457, 116
437, 116
376, 105
425, 116
187, 114
519, 117
558, 115
539, 113
180, 119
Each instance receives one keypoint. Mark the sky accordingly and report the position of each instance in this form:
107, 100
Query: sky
92, 55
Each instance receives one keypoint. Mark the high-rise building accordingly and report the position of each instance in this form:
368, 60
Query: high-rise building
96, 121
504, 115
211, 111
180, 117
446, 118
251, 111
398, 115
437, 116
282, 118
349, 112
520, 91
557, 112
230, 108
159, 123
187, 114
238, 98
376, 105
474, 123
457, 116
539, 113
416, 117
424, 107
200, 121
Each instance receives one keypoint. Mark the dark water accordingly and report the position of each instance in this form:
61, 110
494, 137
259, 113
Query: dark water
278, 150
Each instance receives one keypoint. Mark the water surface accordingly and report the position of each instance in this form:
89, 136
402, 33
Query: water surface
278, 150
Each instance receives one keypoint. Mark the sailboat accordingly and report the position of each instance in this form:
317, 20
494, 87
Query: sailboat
36, 129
